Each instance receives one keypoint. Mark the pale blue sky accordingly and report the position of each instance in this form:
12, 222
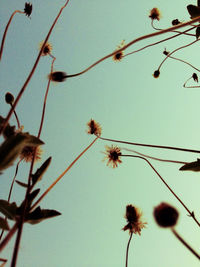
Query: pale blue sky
129, 104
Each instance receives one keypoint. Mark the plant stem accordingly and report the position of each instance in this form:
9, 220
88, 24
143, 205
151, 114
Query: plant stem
62, 174
184, 243
175, 195
158, 159
131, 234
32, 71
147, 36
6, 29
8, 236
147, 145
18, 123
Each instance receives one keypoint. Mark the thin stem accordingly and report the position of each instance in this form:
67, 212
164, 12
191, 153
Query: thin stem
185, 244
176, 51
45, 99
32, 71
161, 41
133, 42
131, 234
185, 62
158, 29
17, 119
158, 159
8, 236
147, 145
62, 174
10, 192
6, 29
161, 178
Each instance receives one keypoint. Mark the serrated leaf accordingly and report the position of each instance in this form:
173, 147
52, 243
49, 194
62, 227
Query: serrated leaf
197, 32
194, 11
4, 224
8, 209
40, 171
192, 166
22, 184
39, 215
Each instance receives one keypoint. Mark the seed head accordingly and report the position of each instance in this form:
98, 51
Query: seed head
165, 215
113, 154
94, 127
155, 14
28, 9
156, 74
9, 98
47, 48
175, 22
58, 76
134, 222
28, 152
119, 55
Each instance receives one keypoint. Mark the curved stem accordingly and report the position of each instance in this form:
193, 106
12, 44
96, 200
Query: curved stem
128, 249
161, 178
161, 41
185, 62
176, 51
62, 174
158, 159
6, 29
45, 99
17, 119
32, 71
185, 244
147, 145
133, 42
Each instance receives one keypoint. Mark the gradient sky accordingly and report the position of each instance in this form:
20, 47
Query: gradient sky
129, 104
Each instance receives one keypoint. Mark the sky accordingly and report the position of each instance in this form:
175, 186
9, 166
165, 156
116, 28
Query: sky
130, 104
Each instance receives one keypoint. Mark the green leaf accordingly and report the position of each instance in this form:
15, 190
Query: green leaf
12, 147
8, 209
32, 195
22, 184
4, 224
192, 166
197, 32
40, 171
194, 11
39, 215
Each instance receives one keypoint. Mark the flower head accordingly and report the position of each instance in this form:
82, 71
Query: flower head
119, 55
47, 48
58, 76
94, 127
28, 9
113, 154
156, 74
165, 215
9, 98
134, 222
175, 22
28, 152
155, 14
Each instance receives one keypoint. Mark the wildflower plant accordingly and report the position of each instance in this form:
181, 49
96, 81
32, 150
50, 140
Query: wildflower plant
41, 124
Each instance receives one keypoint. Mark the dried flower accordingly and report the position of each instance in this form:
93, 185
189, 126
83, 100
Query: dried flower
94, 127
165, 52
58, 76
191, 166
195, 77
47, 48
134, 223
155, 14
175, 22
113, 154
9, 98
28, 9
166, 215
28, 152
119, 55
156, 74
